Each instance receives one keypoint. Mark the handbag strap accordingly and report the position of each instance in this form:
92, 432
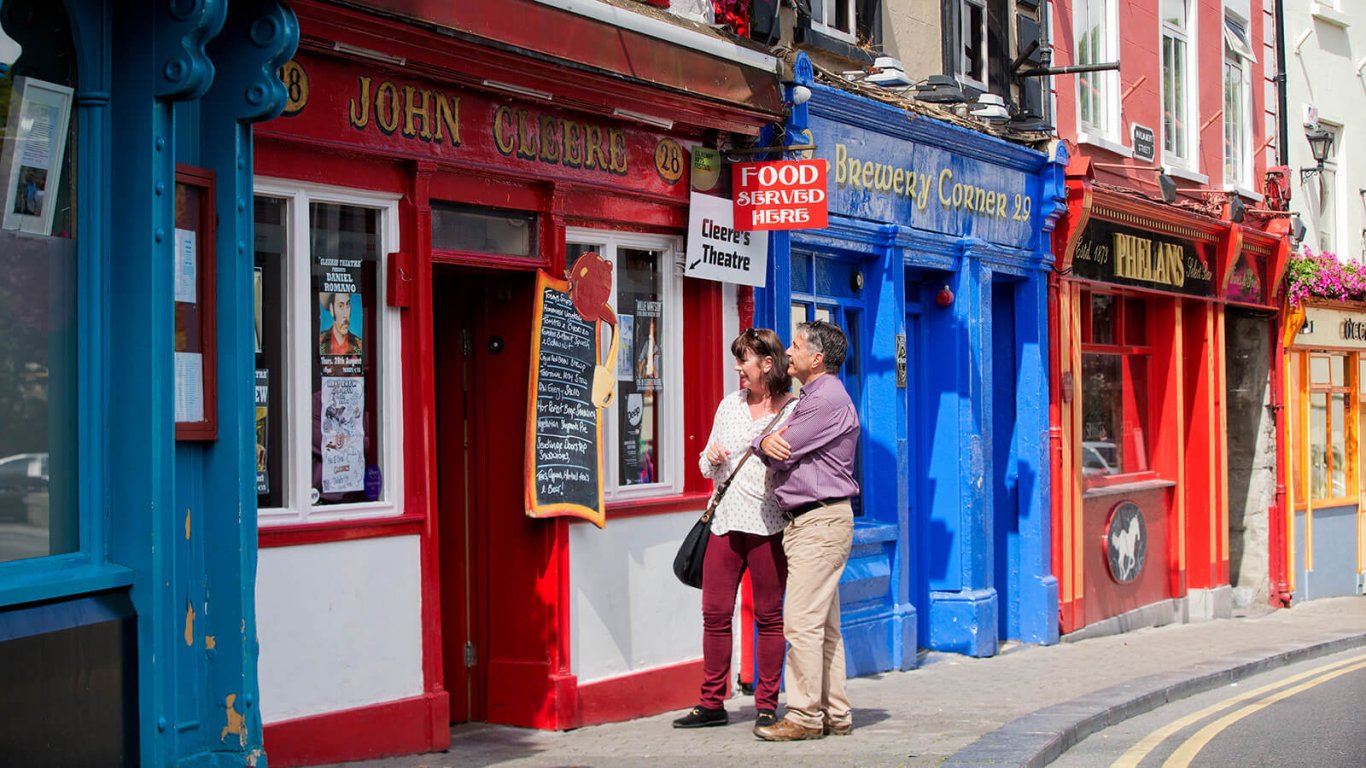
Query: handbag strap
721, 489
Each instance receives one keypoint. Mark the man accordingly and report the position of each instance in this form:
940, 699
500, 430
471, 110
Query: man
338, 340
812, 463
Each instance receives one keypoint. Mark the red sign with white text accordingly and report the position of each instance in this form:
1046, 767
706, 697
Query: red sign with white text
787, 194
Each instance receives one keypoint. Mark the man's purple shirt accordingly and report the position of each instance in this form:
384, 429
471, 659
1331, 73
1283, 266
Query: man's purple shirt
823, 432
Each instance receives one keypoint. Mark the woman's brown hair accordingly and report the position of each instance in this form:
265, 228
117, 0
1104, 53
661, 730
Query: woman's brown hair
765, 343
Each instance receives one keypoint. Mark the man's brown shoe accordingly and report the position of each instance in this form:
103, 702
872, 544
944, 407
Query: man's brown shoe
787, 730
830, 729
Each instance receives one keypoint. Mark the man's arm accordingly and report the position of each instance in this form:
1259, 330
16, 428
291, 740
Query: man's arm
814, 424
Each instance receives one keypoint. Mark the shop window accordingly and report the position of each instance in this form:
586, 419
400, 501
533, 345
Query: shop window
1114, 388
39, 395
643, 425
1176, 81
327, 373
1330, 399
1097, 28
1238, 60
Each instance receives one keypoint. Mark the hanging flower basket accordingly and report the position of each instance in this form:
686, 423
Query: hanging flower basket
1322, 276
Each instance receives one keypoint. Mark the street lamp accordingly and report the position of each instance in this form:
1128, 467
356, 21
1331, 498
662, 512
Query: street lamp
1321, 144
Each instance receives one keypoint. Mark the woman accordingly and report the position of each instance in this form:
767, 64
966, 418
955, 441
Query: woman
747, 531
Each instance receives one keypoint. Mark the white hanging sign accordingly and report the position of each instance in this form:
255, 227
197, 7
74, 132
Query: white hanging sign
717, 250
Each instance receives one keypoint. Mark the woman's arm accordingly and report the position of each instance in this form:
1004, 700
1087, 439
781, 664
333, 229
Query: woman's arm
709, 470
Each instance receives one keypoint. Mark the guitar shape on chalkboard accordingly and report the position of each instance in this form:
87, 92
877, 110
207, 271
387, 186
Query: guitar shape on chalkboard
590, 287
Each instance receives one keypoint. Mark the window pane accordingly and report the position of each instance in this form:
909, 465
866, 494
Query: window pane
1102, 415
1337, 367
1318, 369
1318, 444
1103, 319
1135, 449
1338, 455
1174, 13
345, 258
1135, 322
38, 390
1296, 424
455, 228
272, 215
640, 400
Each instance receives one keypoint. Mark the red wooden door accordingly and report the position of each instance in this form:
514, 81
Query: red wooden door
483, 348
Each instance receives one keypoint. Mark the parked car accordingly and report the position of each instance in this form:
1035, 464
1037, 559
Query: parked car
20, 475
1099, 458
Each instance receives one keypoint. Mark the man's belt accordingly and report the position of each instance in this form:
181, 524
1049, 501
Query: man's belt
811, 506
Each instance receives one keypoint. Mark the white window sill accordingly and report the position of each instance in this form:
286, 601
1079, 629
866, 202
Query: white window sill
1329, 15
1107, 144
1244, 192
267, 518
834, 32
1185, 174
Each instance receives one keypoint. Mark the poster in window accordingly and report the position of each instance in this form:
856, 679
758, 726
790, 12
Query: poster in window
572, 381
343, 434
193, 290
39, 115
262, 429
340, 313
625, 324
647, 331
630, 438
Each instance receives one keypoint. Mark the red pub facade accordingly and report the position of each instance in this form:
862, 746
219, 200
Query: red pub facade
432, 158
1163, 329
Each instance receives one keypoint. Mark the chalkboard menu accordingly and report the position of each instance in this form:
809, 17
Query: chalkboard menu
564, 433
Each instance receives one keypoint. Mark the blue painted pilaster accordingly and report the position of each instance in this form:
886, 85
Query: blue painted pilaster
963, 603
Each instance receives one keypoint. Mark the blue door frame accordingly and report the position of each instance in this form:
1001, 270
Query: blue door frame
951, 551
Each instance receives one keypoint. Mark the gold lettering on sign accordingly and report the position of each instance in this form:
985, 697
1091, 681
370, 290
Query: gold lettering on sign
360, 111
421, 114
1138, 258
554, 140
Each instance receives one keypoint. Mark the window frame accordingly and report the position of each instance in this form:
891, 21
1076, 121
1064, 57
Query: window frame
1126, 351
1301, 426
1107, 82
828, 7
297, 414
1241, 119
983, 62
672, 470
1182, 156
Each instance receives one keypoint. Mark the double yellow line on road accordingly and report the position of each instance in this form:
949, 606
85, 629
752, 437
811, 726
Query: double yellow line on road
1184, 754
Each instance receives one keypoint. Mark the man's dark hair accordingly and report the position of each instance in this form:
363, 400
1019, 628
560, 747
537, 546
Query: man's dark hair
828, 339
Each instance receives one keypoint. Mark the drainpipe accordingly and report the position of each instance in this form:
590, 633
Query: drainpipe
1278, 535
1283, 106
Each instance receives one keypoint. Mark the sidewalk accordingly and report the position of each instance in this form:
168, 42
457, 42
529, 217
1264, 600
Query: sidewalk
949, 710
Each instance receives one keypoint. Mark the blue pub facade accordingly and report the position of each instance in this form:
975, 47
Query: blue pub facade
127, 433
936, 263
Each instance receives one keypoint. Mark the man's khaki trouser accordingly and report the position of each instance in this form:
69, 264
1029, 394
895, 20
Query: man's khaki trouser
817, 547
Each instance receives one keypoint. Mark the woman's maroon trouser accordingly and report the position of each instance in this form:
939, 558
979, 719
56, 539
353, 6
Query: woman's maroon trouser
728, 557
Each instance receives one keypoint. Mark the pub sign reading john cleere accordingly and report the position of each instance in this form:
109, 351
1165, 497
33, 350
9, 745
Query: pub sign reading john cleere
570, 385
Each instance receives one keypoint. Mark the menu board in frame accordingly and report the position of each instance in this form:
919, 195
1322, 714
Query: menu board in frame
569, 387
196, 383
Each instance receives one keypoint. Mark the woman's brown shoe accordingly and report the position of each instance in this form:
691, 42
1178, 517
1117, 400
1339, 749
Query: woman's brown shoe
787, 730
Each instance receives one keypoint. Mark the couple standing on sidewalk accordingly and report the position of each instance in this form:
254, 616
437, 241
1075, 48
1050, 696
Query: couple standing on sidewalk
790, 523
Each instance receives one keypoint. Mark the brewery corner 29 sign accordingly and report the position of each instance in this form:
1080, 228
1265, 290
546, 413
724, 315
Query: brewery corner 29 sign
786, 194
